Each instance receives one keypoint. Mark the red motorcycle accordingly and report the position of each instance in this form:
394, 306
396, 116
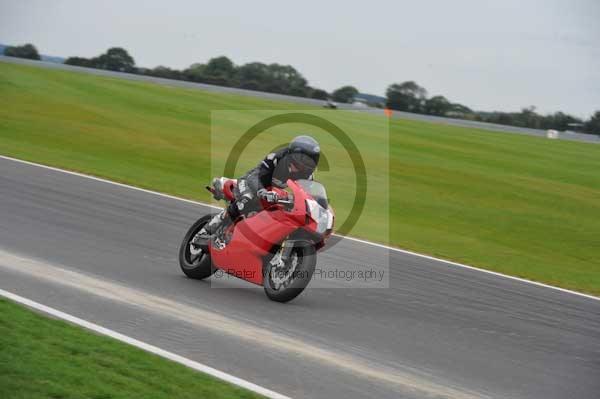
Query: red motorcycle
275, 247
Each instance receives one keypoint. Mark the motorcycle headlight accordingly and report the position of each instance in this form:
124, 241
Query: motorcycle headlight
322, 216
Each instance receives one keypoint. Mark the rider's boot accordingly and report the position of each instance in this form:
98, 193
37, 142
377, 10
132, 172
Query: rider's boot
204, 235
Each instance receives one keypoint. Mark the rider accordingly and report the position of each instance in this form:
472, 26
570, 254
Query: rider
296, 161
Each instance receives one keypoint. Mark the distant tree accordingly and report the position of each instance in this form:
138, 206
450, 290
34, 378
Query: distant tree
298, 91
319, 94
407, 96
437, 105
287, 80
218, 71
252, 76
344, 94
164, 72
593, 124
506, 118
195, 72
250, 85
460, 110
115, 59
273, 86
274, 78
25, 51
529, 118
559, 121
220, 65
503, 118
78, 61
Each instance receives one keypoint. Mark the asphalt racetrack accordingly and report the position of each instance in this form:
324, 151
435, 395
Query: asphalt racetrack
108, 254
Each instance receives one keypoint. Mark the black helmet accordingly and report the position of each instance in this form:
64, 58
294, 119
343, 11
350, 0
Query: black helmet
304, 153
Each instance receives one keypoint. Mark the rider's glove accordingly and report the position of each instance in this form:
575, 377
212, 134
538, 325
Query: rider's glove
269, 196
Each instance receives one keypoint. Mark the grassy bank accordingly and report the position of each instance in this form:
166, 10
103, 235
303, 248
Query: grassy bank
48, 358
514, 204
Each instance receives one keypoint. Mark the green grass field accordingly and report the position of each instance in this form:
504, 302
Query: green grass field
515, 204
48, 358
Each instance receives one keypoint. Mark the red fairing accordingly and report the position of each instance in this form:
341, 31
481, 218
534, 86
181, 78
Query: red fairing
255, 236
251, 241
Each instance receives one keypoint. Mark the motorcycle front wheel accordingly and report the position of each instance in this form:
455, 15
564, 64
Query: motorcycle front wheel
194, 262
285, 280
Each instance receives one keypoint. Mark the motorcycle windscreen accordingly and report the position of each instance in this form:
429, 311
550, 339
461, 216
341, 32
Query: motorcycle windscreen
316, 190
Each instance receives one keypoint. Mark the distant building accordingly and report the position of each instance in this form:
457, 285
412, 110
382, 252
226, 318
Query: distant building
369, 99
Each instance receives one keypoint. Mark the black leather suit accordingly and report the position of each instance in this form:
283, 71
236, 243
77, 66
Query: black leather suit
271, 171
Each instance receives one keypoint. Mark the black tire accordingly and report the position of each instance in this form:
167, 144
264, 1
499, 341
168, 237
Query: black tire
199, 268
303, 274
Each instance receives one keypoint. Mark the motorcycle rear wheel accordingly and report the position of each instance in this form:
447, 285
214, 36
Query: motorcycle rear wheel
195, 265
301, 276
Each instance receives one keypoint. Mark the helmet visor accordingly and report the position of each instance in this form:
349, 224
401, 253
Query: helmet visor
303, 163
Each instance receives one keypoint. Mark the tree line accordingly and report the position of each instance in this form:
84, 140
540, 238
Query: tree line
25, 51
411, 97
221, 71
284, 79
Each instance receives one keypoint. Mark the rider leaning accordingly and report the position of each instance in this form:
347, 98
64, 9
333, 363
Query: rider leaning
296, 161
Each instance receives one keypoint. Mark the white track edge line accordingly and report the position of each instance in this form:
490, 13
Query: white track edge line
404, 251
144, 346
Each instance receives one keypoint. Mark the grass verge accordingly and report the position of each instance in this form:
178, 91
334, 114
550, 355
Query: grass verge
47, 358
514, 204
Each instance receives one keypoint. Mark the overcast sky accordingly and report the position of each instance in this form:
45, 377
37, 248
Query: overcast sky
503, 54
